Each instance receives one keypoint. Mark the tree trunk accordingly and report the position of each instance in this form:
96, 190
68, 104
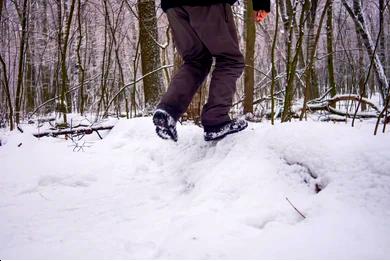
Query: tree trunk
45, 68
19, 85
292, 65
382, 40
329, 46
312, 90
312, 57
274, 42
150, 53
81, 72
64, 74
7, 93
249, 76
113, 30
361, 77
29, 81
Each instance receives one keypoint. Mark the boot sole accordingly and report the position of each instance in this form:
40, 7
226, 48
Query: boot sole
225, 134
163, 130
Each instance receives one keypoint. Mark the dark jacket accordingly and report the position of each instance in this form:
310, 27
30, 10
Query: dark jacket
257, 4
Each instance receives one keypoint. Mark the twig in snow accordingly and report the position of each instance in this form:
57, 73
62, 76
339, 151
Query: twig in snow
300, 213
43, 196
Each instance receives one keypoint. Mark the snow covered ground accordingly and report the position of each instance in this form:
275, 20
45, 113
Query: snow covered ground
133, 195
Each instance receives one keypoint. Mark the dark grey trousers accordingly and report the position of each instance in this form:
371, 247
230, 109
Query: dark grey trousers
201, 33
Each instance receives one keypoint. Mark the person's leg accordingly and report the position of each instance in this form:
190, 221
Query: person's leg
216, 29
197, 64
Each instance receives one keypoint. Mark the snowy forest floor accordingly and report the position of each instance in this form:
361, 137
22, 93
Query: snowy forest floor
133, 195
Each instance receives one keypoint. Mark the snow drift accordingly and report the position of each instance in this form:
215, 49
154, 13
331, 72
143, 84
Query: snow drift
133, 195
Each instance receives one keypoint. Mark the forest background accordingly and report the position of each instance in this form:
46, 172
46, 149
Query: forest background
117, 57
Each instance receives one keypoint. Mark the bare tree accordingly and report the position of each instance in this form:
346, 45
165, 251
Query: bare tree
360, 23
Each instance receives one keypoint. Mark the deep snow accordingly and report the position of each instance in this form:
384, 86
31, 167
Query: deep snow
133, 195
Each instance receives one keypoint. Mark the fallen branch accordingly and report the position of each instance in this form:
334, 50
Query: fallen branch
73, 131
325, 105
334, 118
295, 208
364, 115
43, 120
348, 97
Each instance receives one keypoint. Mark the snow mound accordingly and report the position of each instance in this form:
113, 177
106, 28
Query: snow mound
133, 195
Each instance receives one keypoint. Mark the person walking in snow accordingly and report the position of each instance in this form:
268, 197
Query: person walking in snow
203, 29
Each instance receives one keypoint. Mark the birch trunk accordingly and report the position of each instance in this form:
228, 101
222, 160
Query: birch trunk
360, 23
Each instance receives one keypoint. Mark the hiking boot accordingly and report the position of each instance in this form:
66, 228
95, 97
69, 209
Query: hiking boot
219, 132
165, 125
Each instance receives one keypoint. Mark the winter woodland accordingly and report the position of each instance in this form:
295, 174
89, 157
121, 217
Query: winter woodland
83, 175
117, 58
